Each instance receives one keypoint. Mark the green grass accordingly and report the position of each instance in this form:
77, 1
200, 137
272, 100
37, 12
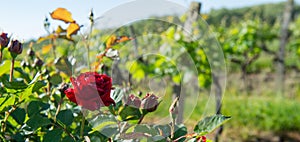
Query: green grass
250, 114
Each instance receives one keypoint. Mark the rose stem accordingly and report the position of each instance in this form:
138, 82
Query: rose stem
88, 41
66, 131
12, 69
0, 56
82, 125
141, 119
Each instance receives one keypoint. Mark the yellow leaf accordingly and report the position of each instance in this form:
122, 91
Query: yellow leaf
111, 41
72, 29
60, 30
65, 37
63, 15
51, 36
114, 40
46, 49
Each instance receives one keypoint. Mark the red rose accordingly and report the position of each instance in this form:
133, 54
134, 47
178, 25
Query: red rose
70, 94
4, 40
133, 101
150, 102
91, 90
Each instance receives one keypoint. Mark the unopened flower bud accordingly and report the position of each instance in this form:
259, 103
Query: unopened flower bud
4, 40
150, 102
15, 48
30, 53
38, 62
133, 101
24, 64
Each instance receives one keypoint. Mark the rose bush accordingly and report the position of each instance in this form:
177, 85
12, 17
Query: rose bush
91, 90
33, 107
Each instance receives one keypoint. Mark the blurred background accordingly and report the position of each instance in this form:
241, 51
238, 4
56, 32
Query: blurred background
260, 40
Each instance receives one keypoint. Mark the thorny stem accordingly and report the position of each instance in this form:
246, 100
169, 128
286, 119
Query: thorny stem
1, 52
58, 108
53, 48
82, 124
12, 69
141, 119
89, 39
65, 130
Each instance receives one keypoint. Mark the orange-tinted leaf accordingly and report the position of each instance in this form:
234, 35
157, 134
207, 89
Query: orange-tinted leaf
111, 41
63, 15
114, 40
123, 39
46, 49
51, 36
65, 37
72, 29
60, 30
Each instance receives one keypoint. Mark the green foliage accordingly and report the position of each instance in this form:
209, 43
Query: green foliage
208, 124
66, 117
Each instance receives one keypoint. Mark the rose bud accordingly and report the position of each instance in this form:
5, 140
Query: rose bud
24, 64
150, 102
30, 53
38, 62
15, 48
4, 40
133, 101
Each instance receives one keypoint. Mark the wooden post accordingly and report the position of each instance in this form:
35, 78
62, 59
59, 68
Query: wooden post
218, 97
192, 17
287, 17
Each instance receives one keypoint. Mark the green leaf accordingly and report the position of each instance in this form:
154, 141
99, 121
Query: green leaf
5, 67
180, 130
66, 117
6, 101
64, 65
19, 115
32, 108
53, 136
129, 113
55, 79
14, 84
208, 124
35, 107
106, 125
68, 139
117, 95
23, 74
33, 86
37, 121
38, 85
165, 129
36, 77
142, 128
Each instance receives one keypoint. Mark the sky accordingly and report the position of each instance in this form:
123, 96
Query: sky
24, 19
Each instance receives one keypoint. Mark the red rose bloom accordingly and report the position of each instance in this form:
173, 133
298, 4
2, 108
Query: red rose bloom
91, 90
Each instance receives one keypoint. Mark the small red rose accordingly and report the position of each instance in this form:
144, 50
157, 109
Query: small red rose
91, 90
